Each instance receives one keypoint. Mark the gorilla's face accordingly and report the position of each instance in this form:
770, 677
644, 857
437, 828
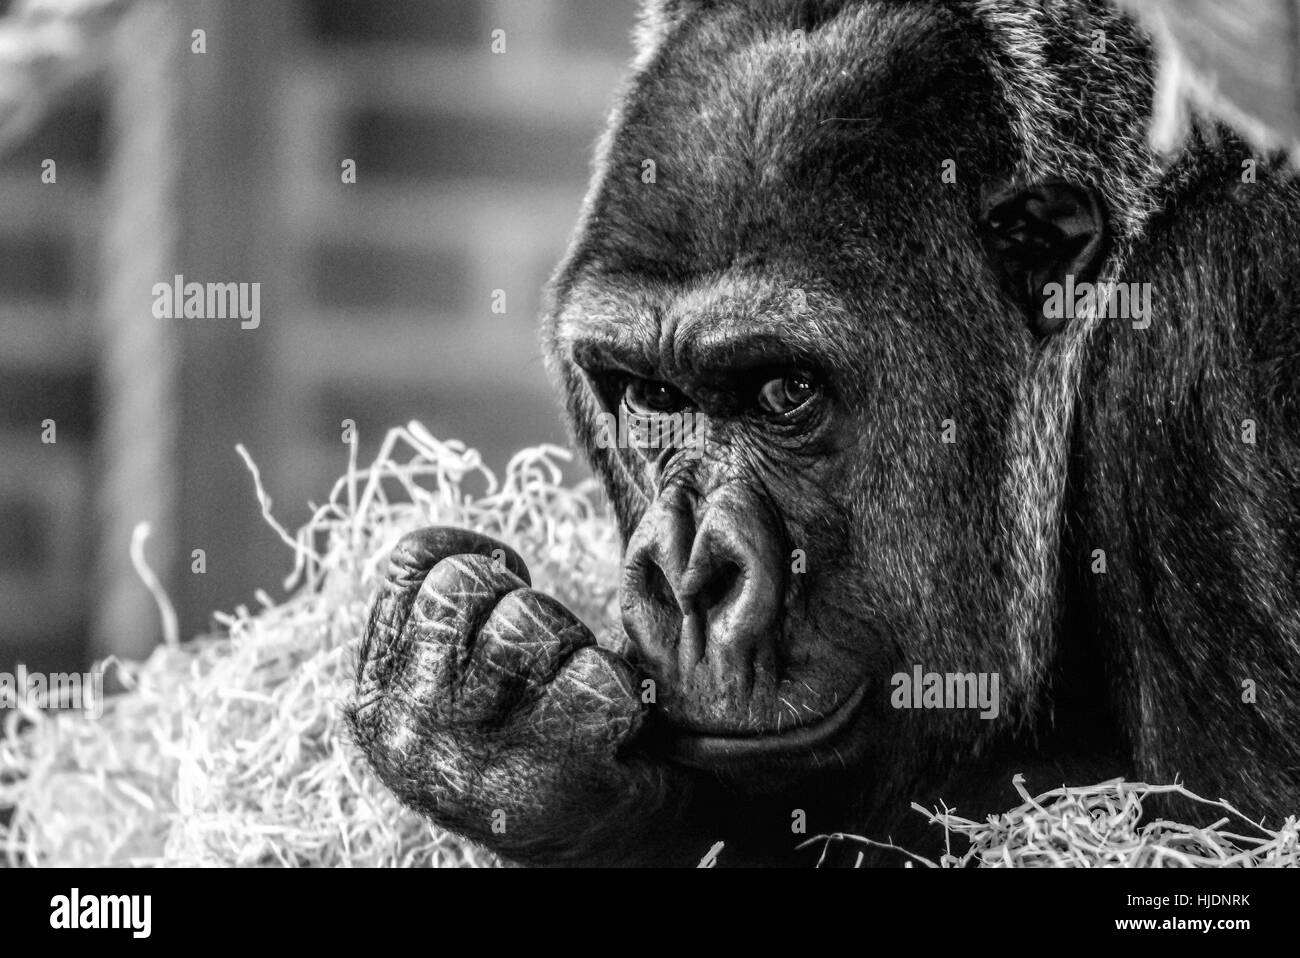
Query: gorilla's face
773, 259
749, 589
802, 531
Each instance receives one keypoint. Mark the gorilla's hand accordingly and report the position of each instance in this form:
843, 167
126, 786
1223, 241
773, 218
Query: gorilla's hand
489, 708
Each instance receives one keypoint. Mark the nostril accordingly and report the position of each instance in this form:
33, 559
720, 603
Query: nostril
655, 585
721, 584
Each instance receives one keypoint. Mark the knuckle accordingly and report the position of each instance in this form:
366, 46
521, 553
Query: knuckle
532, 633
594, 694
422, 642
456, 596
602, 674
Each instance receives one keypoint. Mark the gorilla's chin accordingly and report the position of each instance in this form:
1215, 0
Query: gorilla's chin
811, 747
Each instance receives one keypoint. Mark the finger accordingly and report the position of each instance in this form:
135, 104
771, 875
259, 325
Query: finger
408, 565
418, 552
443, 671
593, 705
528, 635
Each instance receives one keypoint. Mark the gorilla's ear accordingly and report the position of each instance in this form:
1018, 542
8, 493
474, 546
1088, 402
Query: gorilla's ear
1041, 234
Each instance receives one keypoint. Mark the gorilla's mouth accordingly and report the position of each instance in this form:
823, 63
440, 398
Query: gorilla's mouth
811, 744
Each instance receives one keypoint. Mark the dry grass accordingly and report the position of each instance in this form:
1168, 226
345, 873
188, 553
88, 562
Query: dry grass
1101, 826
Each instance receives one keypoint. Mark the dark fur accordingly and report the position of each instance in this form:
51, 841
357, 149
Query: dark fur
919, 552
1201, 529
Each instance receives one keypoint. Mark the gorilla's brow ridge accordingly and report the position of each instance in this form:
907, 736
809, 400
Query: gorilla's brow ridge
709, 348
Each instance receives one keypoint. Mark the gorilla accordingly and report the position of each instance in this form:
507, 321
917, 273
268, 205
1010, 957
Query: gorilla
826, 231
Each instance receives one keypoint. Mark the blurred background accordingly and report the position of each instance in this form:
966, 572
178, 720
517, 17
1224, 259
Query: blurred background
412, 293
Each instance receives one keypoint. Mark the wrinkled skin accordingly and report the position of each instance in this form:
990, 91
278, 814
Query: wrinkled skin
494, 674
880, 480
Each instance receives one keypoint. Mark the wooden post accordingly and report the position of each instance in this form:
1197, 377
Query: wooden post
138, 356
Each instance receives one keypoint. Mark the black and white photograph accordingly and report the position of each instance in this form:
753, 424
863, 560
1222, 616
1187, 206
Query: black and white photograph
646, 434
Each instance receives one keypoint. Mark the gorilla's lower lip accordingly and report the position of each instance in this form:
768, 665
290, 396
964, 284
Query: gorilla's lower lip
710, 751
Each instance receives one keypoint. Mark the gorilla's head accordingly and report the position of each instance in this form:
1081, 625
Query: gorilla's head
810, 238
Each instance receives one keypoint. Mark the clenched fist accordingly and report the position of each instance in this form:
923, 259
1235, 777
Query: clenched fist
488, 707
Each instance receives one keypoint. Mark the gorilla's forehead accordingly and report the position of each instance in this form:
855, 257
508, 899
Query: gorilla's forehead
707, 325
749, 137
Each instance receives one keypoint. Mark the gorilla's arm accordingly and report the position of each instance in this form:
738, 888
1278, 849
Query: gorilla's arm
488, 707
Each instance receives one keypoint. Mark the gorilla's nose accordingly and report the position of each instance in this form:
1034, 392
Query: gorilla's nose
701, 594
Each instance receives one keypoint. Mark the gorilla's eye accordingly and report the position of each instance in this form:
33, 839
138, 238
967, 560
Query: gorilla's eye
788, 393
647, 397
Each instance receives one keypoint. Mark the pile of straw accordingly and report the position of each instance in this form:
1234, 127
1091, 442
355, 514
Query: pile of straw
1101, 826
231, 749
